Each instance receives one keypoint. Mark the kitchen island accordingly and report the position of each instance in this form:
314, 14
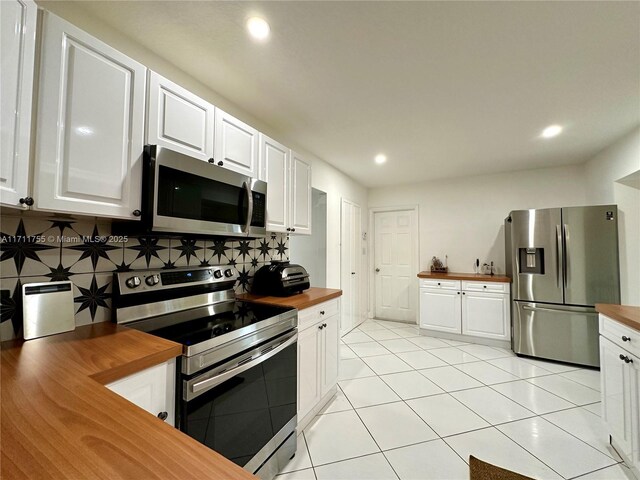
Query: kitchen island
58, 420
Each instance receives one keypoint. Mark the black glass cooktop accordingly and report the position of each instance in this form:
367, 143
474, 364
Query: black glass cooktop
238, 315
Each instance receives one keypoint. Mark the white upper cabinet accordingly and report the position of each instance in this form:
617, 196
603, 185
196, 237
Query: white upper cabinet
17, 49
300, 222
236, 144
288, 179
274, 162
178, 119
90, 125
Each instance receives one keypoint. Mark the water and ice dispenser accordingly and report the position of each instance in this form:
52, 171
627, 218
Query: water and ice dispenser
531, 260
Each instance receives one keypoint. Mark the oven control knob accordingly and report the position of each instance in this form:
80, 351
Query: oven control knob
132, 282
217, 274
228, 273
152, 280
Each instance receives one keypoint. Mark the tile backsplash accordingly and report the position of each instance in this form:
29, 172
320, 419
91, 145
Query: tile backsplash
40, 249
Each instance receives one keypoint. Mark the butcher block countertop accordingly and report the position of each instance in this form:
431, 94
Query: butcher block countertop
58, 421
306, 299
626, 314
474, 277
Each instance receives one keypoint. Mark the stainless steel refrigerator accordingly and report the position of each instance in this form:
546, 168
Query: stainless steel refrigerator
562, 261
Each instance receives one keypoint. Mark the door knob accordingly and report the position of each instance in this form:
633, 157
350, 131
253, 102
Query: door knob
377, 270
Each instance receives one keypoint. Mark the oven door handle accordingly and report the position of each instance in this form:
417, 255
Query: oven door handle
227, 374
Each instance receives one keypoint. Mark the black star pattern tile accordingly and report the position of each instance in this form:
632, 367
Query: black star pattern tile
255, 262
147, 248
219, 249
264, 249
282, 248
59, 273
123, 267
187, 248
62, 225
94, 247
243, 279
169, 265
243, 248
11, 307
93, 297
20, 247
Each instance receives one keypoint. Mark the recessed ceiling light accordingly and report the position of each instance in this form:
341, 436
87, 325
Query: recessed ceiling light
551, 131
380, 158
258, 28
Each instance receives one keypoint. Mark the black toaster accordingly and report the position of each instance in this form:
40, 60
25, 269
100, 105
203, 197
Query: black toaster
280, 279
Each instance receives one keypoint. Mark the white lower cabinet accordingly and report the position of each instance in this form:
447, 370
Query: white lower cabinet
318, 355
620, 388
475, 309
152, 390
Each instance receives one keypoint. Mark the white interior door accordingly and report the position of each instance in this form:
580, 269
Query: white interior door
395, 265
350, 266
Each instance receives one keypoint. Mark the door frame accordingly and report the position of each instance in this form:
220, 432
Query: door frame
372, 254
361, 313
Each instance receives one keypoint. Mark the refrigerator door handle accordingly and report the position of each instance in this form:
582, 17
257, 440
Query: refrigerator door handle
559, 257
556, 310
565, 273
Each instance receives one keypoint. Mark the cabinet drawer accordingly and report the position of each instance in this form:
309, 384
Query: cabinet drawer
615, 331
312, 315
493, 287
439, 283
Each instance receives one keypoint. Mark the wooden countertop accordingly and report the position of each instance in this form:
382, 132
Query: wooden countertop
474, 277
58, 421
626, 314
308, 298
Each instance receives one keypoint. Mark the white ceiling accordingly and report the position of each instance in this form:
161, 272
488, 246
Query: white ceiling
444, 89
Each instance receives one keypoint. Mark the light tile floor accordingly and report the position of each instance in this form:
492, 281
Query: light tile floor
411, 407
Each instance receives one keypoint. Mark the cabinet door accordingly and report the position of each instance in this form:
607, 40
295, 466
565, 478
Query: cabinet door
18, 35
308, 370
329, 369
90, 125
235, 144
274, 162
300, 222
152, 389
485, 315
616, 394
634, 372
440, 310
179, 119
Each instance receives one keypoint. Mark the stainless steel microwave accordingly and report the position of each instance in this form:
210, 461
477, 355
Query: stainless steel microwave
184, 195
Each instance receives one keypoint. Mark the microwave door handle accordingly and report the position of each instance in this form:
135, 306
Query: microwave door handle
226, 375
247, 188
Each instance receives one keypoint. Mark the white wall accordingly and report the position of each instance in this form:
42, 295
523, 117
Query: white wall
464, 217
603, 173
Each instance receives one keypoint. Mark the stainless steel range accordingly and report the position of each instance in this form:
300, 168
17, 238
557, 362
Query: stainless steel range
237, 379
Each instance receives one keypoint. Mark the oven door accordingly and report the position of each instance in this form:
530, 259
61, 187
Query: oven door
192, 196
245, 408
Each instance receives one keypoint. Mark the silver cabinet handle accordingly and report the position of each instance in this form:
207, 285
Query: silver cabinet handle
252, 362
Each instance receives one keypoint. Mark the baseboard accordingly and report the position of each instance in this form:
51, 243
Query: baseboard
302, 423
490, 342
